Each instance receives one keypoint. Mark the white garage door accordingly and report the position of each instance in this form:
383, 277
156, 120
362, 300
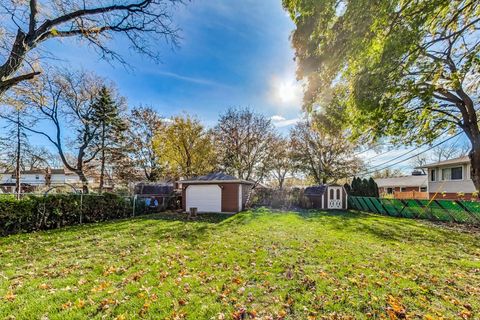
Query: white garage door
206, 198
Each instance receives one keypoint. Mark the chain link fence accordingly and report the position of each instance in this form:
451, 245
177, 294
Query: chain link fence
437, 210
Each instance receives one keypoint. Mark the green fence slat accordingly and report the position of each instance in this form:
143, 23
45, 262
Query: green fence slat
474, 208
416, 209
401, 208
379, 206
356, 203
389, 207
456, 211
364, 206
350, 203
441, 210
370, 205
436, 211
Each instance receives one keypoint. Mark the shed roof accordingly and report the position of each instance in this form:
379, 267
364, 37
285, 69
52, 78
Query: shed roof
216, 177
315, 190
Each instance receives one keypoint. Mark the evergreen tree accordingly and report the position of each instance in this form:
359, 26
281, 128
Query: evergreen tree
107, 118
373, 188
348, 189
355, 186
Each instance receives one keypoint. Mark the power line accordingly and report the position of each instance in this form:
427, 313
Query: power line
411, 157
402, 155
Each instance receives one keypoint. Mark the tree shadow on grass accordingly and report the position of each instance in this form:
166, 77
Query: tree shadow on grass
209, 217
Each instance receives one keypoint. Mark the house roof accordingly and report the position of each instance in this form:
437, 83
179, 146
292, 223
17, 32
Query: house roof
216, 177
38, 171
459, 160
407, 181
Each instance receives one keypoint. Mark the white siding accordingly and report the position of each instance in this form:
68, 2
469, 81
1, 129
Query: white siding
452, 186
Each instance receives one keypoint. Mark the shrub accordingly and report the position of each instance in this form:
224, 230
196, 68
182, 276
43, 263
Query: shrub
59, 210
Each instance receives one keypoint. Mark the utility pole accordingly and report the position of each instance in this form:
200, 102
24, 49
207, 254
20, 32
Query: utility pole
18, 186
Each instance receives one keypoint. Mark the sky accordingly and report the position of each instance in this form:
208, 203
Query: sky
231, 54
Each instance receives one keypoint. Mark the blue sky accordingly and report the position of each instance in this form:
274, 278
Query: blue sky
232, 53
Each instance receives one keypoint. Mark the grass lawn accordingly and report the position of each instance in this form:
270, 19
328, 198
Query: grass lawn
254, 264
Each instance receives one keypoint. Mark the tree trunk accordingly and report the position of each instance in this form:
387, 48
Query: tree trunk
102, 172
18, 187
84, 180
475, 164
102, 166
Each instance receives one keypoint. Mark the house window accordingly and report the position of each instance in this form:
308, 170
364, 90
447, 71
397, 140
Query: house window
433, 175
37, 177
389, 190
455, 173
403, 189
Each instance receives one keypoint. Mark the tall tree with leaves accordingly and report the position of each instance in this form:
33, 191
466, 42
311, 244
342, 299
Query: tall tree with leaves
281, 160
111, 128
404, 69
185, 148
325, 156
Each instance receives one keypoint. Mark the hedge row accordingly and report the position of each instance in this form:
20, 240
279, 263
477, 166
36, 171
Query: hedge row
54, 211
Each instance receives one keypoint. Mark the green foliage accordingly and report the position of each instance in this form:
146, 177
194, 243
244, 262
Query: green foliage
324, 156
59, 210
281, 265
394, 68
363, 187
185, 148
110, 141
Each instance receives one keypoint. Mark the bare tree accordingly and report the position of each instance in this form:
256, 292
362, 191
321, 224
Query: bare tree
31, 23
64, 100
243, 140
145, 123
419, 162
449, 151
387, 173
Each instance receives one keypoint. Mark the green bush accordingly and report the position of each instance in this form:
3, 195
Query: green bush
59, 210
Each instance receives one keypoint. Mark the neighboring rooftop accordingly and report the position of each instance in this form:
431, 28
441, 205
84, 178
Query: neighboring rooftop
407, 181
38, 171
459, 160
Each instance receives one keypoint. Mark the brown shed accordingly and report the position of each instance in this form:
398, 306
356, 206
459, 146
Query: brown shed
327, 196
215, 192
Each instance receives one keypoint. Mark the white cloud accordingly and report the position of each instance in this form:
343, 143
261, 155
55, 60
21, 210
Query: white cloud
201, 81
279, 121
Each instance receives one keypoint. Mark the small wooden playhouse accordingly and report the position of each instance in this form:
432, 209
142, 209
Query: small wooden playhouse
329, 197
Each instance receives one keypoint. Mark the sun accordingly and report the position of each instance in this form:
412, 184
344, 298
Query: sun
285, 91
